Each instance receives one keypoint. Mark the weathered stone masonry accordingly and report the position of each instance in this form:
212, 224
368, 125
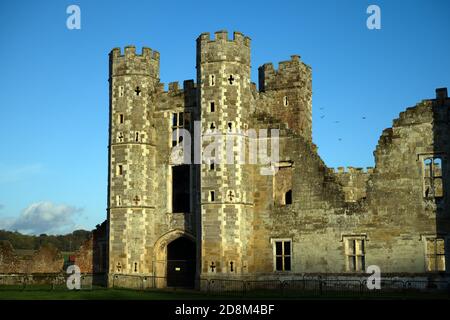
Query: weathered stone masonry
305, 219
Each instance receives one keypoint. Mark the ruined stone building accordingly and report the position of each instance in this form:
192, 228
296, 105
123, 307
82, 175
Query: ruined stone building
182, 221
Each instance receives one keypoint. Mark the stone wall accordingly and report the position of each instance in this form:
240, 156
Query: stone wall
91, 257
45, 260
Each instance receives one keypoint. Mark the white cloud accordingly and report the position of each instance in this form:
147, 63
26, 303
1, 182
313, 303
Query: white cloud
44, 217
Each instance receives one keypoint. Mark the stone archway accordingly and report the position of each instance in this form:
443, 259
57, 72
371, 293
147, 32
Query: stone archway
160, 253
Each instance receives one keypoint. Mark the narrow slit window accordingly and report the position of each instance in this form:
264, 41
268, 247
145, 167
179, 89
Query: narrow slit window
137, 137
120, 170
212, 80
211, 196
121, 118
285, 101
211, 107
120, 136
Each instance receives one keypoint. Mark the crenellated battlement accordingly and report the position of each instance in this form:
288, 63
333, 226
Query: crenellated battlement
131, 63
290, 73
351, 170
221, 48
222, 36
174, 87
130, 51
353, 181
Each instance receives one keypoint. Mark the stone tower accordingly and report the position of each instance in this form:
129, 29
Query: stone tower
132, 81
287, 94
225, 99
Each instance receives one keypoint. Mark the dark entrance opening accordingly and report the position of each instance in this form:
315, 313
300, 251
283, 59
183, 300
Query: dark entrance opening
180, 188
181, 254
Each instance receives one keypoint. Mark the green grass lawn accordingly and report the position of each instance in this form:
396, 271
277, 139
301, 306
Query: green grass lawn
125, 294
97, 294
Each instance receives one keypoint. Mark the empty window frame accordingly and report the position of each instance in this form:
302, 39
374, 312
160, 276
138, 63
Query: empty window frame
355, 253
432, 177
181, 192
282, 253
435, 254
178, 123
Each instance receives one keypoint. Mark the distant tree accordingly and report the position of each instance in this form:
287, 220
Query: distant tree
68, 242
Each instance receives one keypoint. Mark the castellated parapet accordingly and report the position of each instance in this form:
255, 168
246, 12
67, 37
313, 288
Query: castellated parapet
223, 49
130, 63
183, 222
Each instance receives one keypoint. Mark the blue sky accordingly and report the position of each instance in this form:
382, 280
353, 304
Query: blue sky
54, 89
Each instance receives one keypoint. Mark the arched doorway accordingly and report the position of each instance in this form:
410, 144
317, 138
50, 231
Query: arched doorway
181, 262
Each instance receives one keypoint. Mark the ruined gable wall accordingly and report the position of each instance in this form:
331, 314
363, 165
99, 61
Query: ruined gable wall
400, 214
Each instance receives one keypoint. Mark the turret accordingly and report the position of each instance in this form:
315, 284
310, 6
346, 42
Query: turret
133, 81
225, 98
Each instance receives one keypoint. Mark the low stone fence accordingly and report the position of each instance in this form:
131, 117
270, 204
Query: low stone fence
48, 281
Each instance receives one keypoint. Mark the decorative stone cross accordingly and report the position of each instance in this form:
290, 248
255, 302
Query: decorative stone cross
230, 195
231, 79
212, 266
138, 91
120, 137
136, 200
